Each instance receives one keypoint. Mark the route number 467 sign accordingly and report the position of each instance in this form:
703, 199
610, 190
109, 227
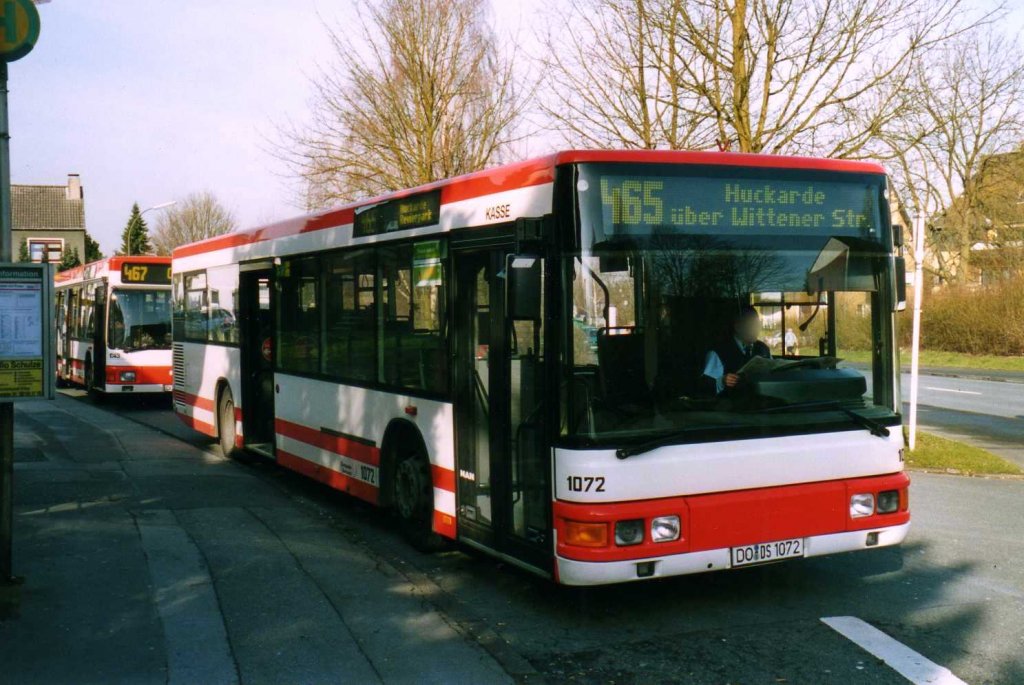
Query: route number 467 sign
26, 332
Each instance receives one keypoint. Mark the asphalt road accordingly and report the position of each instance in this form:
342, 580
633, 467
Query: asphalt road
954, 592
986, 413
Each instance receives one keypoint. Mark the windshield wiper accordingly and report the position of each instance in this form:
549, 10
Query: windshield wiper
672, 438
875, 427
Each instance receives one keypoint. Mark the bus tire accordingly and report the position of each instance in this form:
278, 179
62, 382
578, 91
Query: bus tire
413, 500
226, 425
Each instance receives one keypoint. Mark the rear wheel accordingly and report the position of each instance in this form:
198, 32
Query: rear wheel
226, 425
413, 498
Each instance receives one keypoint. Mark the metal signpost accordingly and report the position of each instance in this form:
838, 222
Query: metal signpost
915, 345
24, 333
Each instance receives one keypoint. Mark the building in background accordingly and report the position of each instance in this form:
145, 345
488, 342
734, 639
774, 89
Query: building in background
48, 221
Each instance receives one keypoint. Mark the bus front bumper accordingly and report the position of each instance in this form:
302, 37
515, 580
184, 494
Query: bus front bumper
574, 572
136, 388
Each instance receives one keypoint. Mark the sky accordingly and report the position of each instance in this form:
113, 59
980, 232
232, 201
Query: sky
150, 100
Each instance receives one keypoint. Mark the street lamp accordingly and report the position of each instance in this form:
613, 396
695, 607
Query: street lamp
131, 229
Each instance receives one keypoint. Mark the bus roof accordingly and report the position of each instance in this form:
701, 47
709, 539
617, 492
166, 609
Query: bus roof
532, 172
104, 267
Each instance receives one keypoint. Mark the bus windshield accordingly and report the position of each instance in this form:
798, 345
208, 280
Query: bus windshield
139, 319
714, 306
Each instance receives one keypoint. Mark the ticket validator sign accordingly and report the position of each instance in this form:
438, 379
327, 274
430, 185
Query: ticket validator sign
26, 332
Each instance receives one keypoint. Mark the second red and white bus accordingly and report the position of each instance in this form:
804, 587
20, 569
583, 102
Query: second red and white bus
114, 325
518, 359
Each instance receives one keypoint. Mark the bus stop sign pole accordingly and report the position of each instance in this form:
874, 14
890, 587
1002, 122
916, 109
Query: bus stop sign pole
19, 30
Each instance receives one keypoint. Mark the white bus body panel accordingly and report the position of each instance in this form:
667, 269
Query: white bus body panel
678, 470
363, 413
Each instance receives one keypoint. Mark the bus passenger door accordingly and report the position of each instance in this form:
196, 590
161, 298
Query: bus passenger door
503, 492
256, 292
99, 338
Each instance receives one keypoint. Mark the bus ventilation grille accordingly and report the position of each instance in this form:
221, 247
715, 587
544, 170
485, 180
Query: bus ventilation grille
178, 361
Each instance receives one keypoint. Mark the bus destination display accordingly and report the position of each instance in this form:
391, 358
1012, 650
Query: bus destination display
423, 209
146, 274
644, 204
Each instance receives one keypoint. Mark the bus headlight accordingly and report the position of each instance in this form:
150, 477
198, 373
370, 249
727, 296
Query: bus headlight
127, 376
861, 505
665, 528
888, 501
629, 532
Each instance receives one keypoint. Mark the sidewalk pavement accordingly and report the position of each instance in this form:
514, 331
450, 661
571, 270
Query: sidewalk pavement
147, 560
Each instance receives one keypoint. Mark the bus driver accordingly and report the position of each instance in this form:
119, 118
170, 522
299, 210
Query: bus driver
723, 361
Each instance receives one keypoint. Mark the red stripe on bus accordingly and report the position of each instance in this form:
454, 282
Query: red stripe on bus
330, 477
360, 451
478, 184
444, 524
193, 400
443, 478
729, 519
103, 268
197, 425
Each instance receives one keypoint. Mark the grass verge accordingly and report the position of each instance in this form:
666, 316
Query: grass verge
989, 362
934, 452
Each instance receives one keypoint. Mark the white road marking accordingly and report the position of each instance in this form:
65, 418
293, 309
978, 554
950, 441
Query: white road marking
962, 392
896, 655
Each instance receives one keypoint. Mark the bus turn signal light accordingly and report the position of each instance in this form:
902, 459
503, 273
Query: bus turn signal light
582, 534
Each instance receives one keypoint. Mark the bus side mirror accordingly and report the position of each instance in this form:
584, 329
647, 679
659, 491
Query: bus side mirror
525, 283
901, 285
897, 235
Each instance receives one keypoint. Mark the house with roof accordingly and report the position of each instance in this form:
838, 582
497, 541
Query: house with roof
48, 220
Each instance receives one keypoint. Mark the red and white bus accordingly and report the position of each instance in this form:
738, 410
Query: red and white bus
517, 359
114, 325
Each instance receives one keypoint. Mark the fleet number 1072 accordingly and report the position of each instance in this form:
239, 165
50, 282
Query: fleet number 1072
585, 483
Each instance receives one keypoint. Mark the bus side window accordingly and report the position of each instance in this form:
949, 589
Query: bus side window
298, 339
73, 313
351, 314
412, 348
87, 325
196, 314
223, 283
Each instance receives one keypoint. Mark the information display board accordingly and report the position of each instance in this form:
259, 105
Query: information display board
26, 332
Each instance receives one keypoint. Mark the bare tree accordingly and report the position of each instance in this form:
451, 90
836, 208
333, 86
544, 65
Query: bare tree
788, 76
956, 151
430, 96
198, 216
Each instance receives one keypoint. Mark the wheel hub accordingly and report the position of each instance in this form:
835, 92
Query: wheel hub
408, 488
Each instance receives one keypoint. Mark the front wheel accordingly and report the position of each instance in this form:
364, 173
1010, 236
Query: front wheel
414, 503
226, 426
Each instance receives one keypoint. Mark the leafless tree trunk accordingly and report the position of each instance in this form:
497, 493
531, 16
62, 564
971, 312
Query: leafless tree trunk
822, 77
197, 217
425, 94
967, 109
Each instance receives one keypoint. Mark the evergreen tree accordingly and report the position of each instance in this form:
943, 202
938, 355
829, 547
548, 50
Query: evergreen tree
23, 255
69, 260
92, 249
135, 236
